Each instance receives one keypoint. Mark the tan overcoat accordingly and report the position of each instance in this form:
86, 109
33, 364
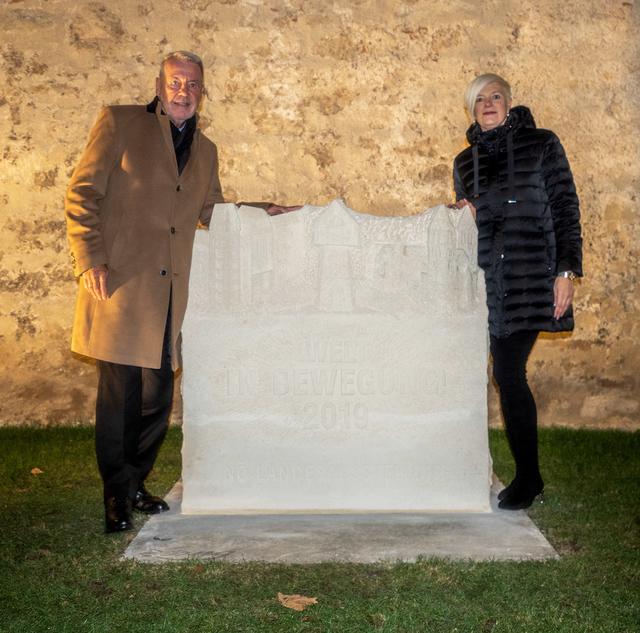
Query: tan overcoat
127, 207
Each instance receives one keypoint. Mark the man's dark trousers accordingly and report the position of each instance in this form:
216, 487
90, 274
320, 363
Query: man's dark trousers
132, 418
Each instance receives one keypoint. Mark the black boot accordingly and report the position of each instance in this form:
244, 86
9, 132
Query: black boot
522, 495
507, 490
117, 515
145, 502
518, 405
523, 435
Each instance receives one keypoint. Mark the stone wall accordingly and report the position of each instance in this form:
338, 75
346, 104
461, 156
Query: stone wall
308, 101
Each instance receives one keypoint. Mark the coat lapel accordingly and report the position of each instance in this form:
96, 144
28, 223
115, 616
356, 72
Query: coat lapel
163, 122
193, 154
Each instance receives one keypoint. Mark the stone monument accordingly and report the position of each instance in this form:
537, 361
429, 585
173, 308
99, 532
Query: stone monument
335, 361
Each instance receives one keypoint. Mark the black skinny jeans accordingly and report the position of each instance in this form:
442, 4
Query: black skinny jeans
510, 356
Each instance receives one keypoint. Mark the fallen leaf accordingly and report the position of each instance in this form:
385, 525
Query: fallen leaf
36, 471
295, 601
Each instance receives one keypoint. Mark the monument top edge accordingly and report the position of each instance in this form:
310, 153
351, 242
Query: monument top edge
340, 204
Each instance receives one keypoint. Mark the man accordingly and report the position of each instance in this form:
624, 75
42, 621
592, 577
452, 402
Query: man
147, 177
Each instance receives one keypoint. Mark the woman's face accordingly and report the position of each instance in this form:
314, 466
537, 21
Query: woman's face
491, 106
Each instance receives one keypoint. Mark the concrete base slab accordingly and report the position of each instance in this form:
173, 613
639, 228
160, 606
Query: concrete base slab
357, 538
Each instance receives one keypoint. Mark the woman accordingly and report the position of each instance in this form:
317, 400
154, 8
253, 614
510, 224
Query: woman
518, 184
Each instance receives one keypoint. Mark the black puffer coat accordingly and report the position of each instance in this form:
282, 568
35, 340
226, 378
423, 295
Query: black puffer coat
528, 217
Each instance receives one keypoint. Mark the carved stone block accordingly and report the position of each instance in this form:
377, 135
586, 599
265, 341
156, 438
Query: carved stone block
335, 361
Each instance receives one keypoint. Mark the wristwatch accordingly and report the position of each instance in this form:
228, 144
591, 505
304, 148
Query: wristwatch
567, 274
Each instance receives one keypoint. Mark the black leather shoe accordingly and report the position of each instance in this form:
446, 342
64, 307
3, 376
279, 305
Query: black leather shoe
117, 515
149, 504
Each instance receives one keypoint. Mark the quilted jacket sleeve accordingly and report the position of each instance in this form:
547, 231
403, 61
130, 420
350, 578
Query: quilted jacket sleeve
458, 184
565, 207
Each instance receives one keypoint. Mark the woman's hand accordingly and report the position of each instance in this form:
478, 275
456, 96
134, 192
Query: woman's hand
460, 204
562, 296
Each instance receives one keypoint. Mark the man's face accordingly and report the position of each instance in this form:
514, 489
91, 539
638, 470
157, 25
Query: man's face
179, 88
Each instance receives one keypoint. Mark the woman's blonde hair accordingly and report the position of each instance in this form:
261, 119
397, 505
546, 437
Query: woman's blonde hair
476, 86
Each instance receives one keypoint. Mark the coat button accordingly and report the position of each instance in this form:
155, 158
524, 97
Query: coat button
163, 272
173, 229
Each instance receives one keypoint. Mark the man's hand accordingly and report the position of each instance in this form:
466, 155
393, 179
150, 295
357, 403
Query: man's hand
464, 203
95, 281
562, 296
276, 209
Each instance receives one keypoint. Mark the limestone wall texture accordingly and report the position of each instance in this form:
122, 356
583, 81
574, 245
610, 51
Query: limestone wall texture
310, 100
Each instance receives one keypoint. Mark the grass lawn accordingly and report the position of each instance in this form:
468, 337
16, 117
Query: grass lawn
59, 572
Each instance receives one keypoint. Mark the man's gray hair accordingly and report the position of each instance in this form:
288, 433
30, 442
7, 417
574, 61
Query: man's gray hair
476, 86
182, 56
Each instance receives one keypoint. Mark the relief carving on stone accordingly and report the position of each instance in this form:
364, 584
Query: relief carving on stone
333, 259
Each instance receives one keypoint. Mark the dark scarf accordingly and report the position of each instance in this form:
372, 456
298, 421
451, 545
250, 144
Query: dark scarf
517, 118
182, 139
